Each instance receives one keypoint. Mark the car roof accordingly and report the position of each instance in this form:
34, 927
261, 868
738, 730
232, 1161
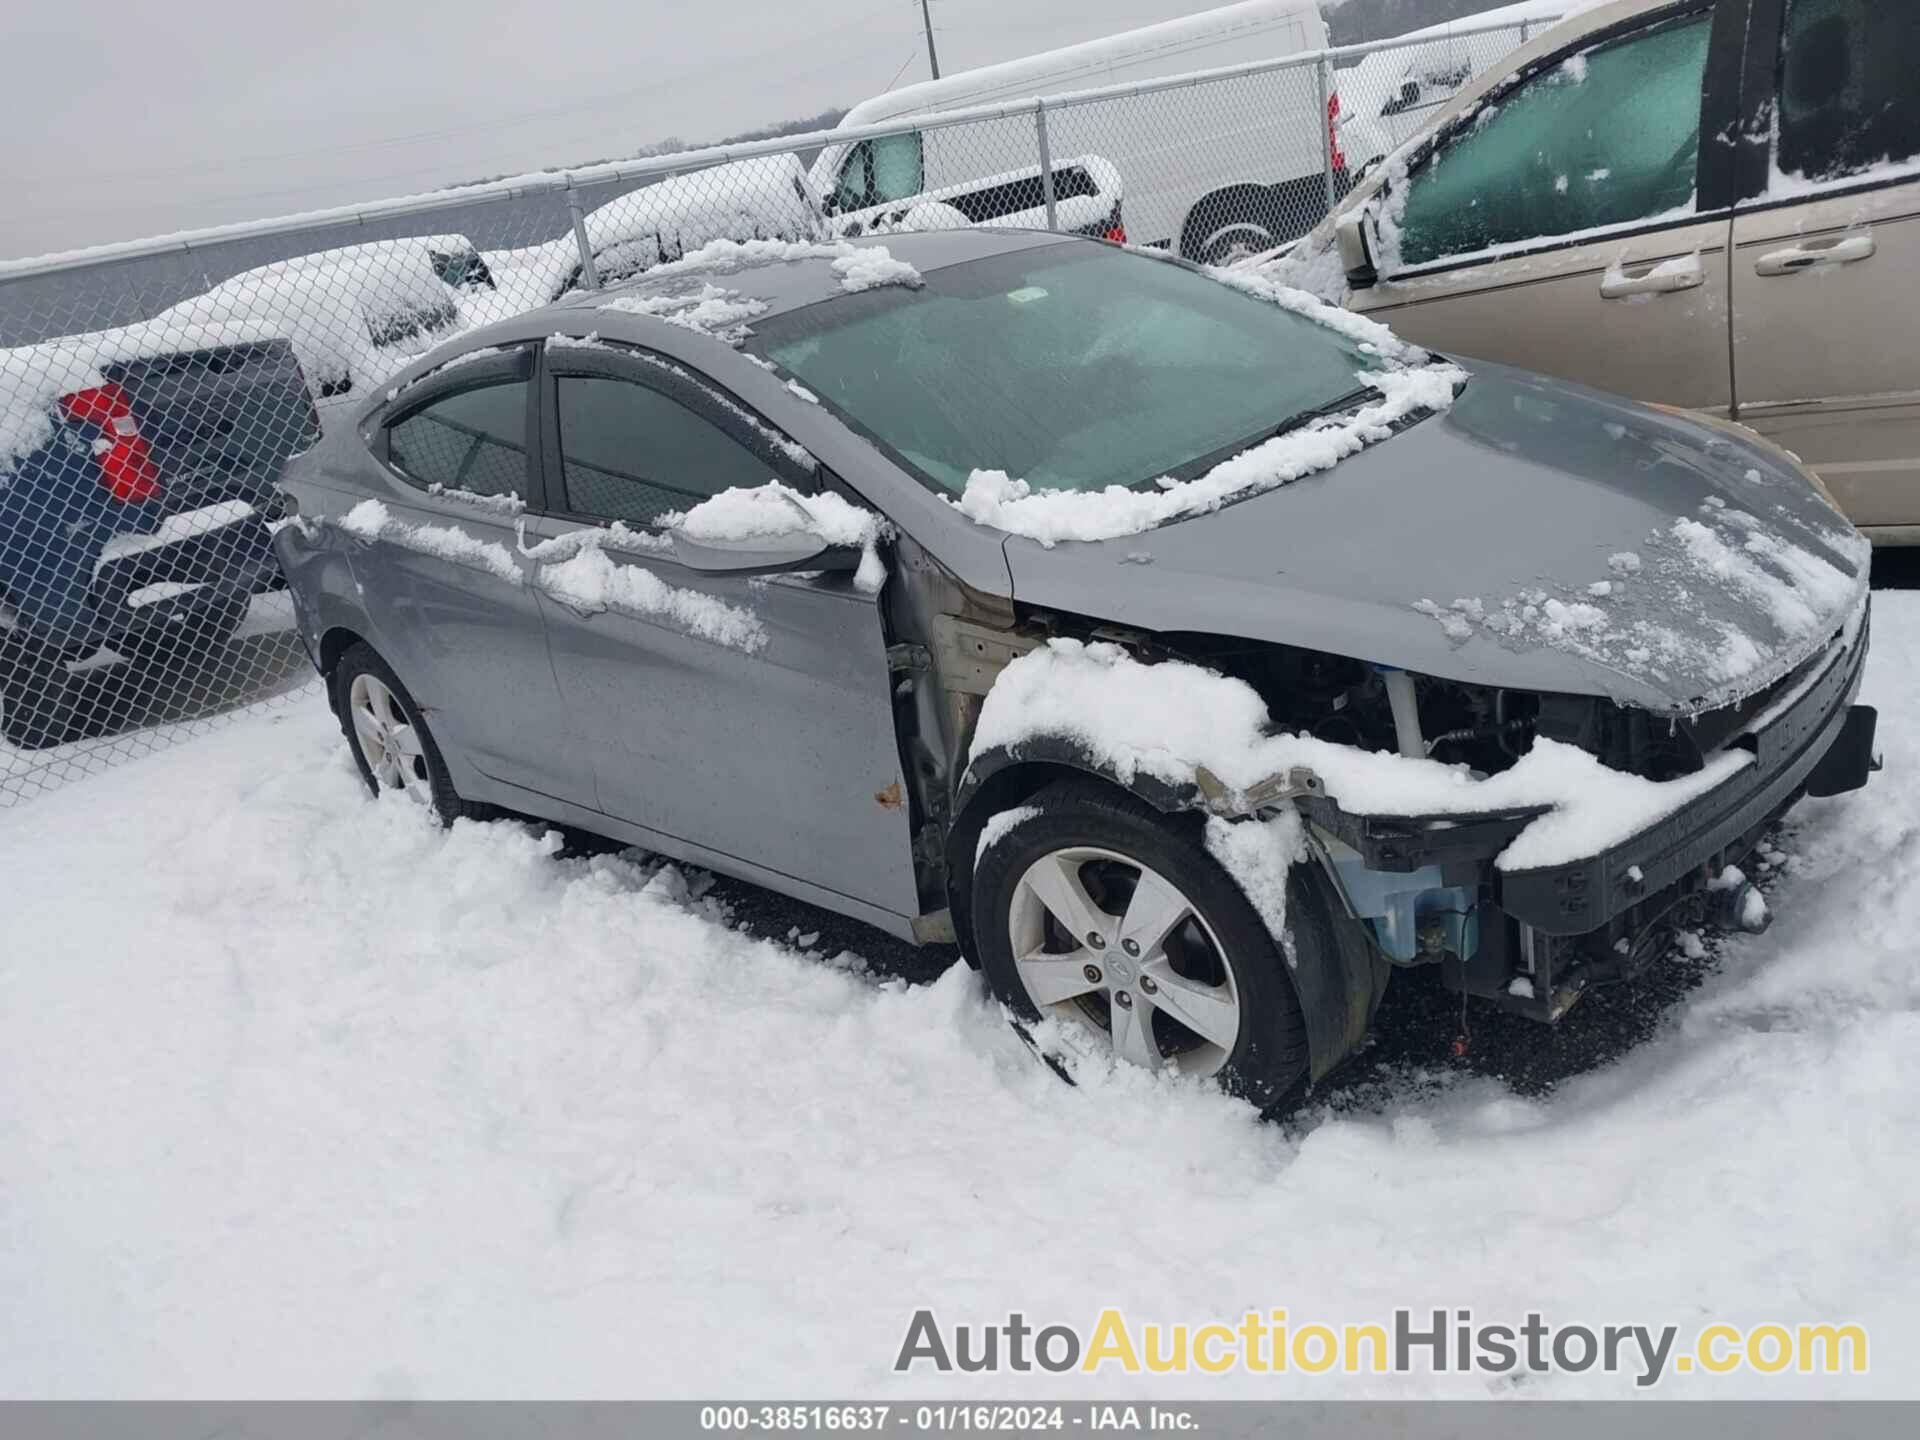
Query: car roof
787, 277
772, 276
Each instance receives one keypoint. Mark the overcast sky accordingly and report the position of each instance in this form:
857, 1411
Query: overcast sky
135, 117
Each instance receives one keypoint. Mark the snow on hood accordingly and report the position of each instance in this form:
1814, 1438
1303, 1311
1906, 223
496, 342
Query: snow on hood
1408, 382
1170, 719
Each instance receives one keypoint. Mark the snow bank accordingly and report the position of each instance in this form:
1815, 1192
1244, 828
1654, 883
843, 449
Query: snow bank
315, 1099
371, 520
774, 509
1169, 720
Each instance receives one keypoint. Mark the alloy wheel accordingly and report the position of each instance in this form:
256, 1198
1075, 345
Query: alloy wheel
389, 742
1100, 938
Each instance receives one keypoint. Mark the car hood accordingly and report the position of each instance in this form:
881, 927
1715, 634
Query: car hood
1537, 536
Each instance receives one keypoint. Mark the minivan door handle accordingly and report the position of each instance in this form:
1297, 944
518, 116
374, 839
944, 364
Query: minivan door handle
1833, 250
1662, 277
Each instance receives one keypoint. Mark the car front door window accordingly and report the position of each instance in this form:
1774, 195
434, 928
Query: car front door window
630, 453
1607, 137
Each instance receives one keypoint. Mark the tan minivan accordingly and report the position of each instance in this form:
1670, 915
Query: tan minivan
1712, 204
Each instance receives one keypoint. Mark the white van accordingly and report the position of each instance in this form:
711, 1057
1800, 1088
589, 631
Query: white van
1404, 86
1216, 171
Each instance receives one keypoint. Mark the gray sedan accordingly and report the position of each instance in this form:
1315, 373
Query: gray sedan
1193, 654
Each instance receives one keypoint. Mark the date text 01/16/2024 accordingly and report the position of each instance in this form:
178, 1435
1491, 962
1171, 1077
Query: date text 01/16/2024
979, 1417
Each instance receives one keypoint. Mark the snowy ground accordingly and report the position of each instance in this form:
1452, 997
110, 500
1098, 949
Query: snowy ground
301, 1096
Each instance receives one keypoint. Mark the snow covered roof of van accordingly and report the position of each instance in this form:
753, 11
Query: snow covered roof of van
1070, 65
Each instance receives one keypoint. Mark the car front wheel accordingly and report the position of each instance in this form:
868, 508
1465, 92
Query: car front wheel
1094, 909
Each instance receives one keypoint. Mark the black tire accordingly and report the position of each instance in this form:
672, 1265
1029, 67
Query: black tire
361, 659
1268, 1064
195, 641
37, 708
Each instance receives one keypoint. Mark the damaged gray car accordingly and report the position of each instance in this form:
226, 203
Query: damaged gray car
1192, 654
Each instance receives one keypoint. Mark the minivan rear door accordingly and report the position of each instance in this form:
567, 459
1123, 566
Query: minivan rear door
1826, 258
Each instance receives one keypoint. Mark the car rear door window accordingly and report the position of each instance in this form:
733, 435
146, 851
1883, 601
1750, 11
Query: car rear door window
1848, 96
628, 452
1606, 137
474, 440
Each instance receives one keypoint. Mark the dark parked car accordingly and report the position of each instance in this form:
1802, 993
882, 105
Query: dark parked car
133, 526
138, 465
1193, 654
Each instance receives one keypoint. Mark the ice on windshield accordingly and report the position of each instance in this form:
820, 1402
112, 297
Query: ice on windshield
1075, 392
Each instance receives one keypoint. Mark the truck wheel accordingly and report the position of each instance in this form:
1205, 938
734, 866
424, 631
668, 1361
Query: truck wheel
389, 737
194, 640
36, 706
1098, 910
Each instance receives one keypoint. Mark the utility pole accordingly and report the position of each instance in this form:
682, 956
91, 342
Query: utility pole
933, 58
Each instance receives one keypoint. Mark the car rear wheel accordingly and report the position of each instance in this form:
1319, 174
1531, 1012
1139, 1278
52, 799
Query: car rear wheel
389, 737
1098, 911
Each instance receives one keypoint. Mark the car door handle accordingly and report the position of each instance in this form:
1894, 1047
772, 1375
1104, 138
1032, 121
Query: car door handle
1834, 250
1662, 277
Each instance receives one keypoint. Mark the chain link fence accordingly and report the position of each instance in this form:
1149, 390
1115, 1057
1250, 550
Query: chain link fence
152, 393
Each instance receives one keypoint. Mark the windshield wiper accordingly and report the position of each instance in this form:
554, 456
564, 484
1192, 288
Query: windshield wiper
1339, 405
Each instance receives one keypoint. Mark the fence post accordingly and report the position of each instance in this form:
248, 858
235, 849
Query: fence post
1325, 71
589, 272
1526, 31
1046, 163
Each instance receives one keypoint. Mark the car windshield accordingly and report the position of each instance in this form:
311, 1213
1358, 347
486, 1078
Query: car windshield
1072, 367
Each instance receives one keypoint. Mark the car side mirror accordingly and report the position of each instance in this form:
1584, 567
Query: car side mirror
762, 554
1357, 237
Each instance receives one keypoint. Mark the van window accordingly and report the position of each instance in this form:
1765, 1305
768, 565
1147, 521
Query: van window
1607, 137
1847, 95
879, 172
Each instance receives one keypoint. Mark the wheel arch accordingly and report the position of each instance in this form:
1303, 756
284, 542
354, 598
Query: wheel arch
1338, 984
335, 641
1286, 210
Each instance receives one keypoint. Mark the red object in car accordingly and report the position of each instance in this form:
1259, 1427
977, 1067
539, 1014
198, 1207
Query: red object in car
127, 470
1116, 233
1337, 155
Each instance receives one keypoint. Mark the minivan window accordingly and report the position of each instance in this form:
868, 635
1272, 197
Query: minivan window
1848, 100
1607, 137
475, 440
630, 453
1072, 367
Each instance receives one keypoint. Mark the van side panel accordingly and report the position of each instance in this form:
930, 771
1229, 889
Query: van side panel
1170, 150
